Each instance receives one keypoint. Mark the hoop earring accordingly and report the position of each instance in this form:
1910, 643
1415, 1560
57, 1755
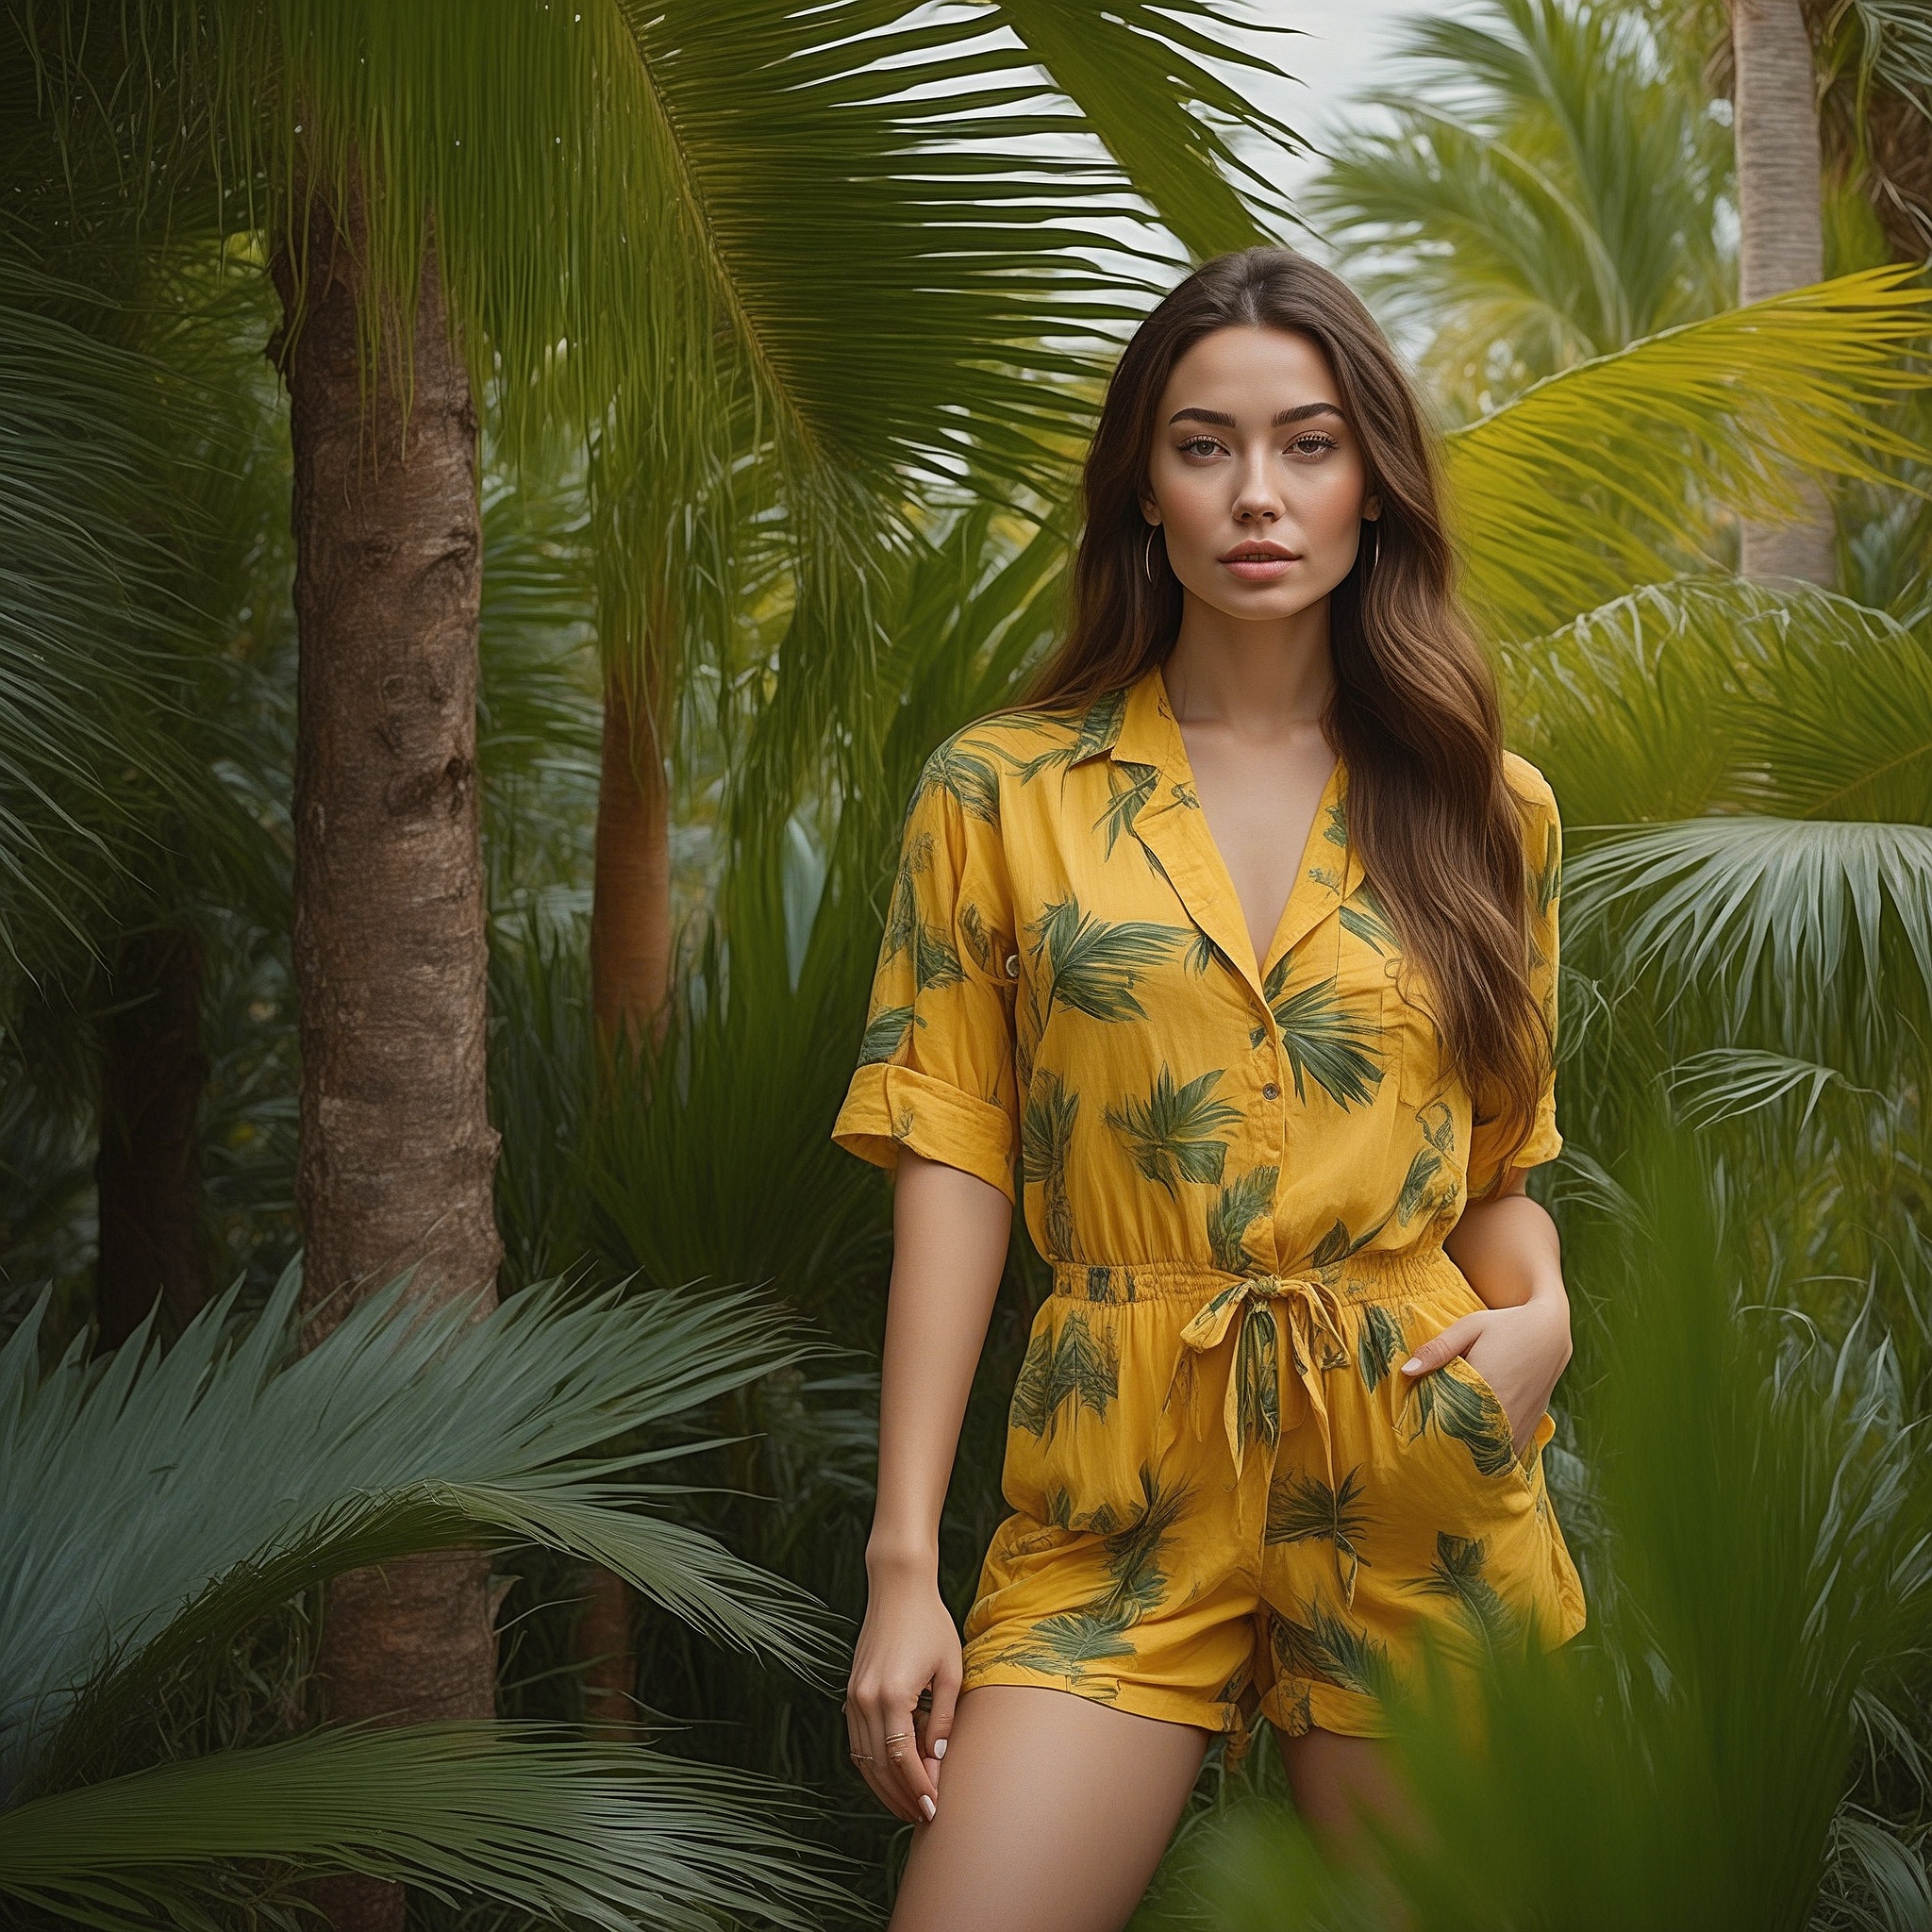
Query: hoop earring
1147, 552
1375, 526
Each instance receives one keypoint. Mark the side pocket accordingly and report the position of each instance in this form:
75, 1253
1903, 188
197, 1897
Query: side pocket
1500, 1457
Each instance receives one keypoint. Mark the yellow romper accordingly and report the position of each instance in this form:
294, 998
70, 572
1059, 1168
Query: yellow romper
1224, 1493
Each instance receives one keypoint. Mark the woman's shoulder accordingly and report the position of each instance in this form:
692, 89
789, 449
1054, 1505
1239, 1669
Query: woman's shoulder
1528, 786
1016, 744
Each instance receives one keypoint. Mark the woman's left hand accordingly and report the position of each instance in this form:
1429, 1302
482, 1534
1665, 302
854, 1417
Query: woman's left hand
1520, 1351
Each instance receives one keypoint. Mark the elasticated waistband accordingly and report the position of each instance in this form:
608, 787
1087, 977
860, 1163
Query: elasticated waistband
1371, 1276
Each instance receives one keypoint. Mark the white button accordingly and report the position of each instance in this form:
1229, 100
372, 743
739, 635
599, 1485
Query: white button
1012, 965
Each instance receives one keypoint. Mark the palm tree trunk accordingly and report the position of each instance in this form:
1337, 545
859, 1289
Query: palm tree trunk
630, 999
630, 901
148, 1168
396, 1156
1781, 231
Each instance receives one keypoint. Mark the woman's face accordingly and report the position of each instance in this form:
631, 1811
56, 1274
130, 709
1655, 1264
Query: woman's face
1256, 477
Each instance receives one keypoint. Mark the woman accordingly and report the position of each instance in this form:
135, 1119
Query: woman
1242, 936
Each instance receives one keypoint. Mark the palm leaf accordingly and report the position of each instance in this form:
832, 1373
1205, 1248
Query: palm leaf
1565, 496
1303, 1508
1141, 84
1092, 964
1235, 1208
1457, 1575
1324, 1041
383, 1439
1170, 1134
1378, 1345
612, 1837
1466, 1413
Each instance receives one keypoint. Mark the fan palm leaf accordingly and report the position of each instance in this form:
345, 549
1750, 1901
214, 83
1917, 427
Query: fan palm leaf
613, 1839
386, 1438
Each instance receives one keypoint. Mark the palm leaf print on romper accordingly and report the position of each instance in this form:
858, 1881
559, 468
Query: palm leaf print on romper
1092, 964
1046, 1134
935, 960
1468, 1414
1324, 1041
1458, 1576
1065, 1643
1072, 1361
1378, 1346
1438, 1127
1169, 1135
1328, 1649
1303, 1508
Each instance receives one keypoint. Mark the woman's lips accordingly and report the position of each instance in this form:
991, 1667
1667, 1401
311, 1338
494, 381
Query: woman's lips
1260, 570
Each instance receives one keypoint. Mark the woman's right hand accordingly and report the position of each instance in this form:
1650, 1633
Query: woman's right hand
907, 1644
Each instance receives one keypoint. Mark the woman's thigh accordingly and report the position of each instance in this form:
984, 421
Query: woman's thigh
1052, 1813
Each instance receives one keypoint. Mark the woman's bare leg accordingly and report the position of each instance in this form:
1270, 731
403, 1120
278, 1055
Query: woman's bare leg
1337, 1780
1053, 1813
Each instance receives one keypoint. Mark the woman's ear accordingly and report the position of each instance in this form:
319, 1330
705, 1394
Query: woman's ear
1372, 508
1150, 509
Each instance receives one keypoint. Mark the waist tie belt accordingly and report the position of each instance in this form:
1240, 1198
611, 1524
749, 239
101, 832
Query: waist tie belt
1255, 1382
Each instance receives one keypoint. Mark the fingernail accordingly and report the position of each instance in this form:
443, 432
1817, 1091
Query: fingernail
939, 1747
927, 1806
1413, 1366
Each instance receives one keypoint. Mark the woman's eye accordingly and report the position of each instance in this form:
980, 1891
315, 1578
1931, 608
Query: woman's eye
1199, 446
1313, 444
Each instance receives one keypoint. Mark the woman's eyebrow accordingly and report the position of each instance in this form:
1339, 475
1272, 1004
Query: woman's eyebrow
1223, 420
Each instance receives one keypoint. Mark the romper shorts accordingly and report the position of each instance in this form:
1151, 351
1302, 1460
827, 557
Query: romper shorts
1151, 1565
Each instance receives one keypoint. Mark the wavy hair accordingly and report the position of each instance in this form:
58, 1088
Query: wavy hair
1415, 714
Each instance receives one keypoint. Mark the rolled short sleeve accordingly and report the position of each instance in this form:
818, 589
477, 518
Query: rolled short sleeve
935, 1065
1542, 836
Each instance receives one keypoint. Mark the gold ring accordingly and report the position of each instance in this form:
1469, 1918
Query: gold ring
897, 1736
860, 1756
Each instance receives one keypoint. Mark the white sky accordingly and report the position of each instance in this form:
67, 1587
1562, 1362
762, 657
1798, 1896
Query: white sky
1340, 50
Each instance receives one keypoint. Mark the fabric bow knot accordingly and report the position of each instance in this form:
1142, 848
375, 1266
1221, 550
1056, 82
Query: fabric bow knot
1252, 1404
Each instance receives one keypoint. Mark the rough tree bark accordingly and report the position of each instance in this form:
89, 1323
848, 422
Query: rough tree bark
1781, 231
147, 1171
396, 1154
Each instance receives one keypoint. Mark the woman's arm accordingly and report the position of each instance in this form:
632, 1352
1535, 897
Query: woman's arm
949, 1248
1506, 1246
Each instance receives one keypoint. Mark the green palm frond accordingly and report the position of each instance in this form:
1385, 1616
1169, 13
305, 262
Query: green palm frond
1324, 1041
1064, 1645
1169, 1135
1046, 1135
1590, 481
1257, 1375
883, 1034
1543, 190
1092, 964
1725, 1082
1125, 798
1361, 914
1326, 1648
1810, 917
385, 1439
541, 1824
1235, 1208
1709, 693
1132, 1551
1143, 86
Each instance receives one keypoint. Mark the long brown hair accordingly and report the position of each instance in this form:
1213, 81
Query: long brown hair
1414, 715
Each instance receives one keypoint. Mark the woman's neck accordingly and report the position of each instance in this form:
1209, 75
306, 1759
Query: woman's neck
1258, 680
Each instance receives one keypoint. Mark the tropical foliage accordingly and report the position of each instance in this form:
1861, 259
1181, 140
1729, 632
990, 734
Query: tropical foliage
835, 528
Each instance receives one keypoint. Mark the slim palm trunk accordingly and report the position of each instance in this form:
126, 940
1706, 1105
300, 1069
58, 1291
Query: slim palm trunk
396, 1154
630, 904
1781, 238
630, 989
